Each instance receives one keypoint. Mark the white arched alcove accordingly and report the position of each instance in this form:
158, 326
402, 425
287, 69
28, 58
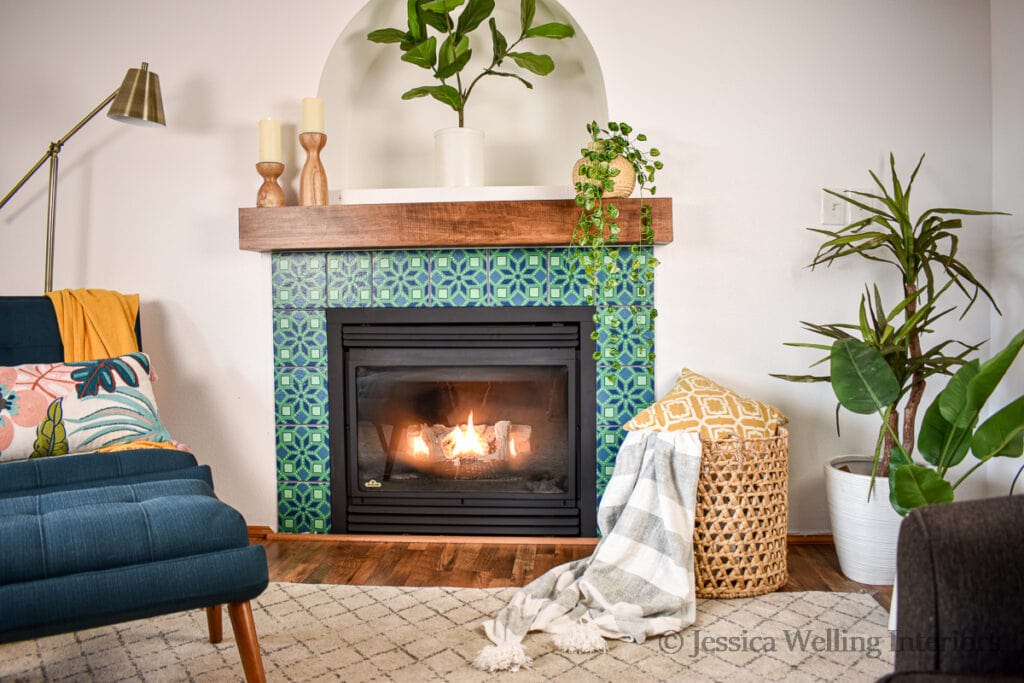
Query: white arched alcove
533, 137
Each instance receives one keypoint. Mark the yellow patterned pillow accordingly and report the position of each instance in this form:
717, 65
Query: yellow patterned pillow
696, 403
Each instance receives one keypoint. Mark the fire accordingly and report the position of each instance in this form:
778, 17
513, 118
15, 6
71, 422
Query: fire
512, 447
467, 440
419, 446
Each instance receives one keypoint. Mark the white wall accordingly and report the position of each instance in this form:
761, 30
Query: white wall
1007, 195
754, 105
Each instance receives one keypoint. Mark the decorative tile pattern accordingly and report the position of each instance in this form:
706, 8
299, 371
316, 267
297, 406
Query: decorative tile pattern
303, 453
459, 278
622, 394
300, 396
304, 508
306, 283
300, 337
299, 280
349, 279
519, 277
401, 279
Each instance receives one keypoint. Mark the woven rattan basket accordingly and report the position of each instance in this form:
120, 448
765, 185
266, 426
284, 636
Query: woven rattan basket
739, 536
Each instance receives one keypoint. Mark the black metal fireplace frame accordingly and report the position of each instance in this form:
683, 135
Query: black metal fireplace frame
562, 332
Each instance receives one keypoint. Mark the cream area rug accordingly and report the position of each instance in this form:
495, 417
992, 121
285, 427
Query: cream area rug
314, 632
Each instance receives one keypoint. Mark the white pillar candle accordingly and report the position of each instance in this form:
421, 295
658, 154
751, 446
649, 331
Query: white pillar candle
270, 140
312, 115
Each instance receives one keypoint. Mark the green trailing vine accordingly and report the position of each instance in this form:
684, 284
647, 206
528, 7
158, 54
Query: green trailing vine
596, 234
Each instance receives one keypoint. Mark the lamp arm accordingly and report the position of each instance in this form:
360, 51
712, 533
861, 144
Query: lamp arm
54, 148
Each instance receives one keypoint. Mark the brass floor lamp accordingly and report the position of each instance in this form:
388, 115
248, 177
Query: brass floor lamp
136, 101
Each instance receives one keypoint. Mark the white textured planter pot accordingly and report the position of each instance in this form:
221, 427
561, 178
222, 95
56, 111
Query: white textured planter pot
459, 157
865, 531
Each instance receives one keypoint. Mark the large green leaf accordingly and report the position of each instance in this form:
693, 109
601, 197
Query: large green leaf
415, 26
938, 441
953, 401
915, 486
474, 14
453, 56
424, 54
387, 35
541, 65
862, 380
991, 372
442, 93
498, 40
898, 458
1000, 435
552, 30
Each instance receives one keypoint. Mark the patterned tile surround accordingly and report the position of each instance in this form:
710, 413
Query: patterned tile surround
305, 283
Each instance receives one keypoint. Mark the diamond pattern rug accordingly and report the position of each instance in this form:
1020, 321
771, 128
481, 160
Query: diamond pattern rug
314, 632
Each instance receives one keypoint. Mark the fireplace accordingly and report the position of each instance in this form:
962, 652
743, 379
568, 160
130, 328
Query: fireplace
476, 421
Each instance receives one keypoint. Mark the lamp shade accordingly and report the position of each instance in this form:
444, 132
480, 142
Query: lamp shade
138, 99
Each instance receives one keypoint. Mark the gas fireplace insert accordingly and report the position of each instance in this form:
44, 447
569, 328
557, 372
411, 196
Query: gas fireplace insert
476, 421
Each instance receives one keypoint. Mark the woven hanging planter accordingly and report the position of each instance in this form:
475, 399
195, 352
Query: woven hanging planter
740, 524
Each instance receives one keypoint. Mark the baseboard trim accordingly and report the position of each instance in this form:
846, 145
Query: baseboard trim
265, 533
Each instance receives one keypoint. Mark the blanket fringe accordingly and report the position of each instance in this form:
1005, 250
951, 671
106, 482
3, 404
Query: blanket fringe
581, 638
504, 657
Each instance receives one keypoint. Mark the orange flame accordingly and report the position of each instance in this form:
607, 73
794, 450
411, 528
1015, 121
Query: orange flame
467, 440
419, 446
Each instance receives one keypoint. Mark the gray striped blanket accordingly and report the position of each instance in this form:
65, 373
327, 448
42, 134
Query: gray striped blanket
638, 582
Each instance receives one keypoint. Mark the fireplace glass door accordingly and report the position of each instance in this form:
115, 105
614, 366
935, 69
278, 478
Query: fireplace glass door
462, 422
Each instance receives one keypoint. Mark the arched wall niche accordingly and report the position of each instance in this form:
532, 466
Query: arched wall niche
533, 137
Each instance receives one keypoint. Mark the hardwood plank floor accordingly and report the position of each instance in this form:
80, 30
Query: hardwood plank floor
487, 563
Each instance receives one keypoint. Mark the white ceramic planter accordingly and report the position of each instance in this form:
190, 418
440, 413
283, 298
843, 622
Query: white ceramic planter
865, 530
459, 157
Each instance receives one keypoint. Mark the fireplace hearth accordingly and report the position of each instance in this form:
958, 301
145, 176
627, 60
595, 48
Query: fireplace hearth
475, 421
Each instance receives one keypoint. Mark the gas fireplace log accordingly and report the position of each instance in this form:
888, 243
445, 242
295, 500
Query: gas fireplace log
500, 441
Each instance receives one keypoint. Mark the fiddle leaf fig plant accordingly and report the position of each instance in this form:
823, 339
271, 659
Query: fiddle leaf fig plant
924, 253
448, 53
596, 233
865, 383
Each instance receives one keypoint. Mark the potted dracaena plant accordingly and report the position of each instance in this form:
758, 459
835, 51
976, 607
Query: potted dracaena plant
612, 153
923, 250
447, 55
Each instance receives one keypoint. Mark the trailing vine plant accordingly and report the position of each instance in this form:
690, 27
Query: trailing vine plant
596, 234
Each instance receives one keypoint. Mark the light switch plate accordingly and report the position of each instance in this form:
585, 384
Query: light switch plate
833, 209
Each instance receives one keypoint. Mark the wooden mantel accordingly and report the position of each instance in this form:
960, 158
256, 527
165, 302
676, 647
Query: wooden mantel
541, 222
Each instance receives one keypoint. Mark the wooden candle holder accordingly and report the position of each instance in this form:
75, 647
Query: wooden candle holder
313, 181
270, 193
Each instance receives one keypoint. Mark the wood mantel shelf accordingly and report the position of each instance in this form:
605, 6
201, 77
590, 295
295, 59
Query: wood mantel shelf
542, 222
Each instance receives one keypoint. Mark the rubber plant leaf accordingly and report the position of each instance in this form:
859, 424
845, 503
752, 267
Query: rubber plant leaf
387, 35
423, 54
552, 30
861, 379
1000, 435
527, 8
453, 56
541, 65
51, 437
442, 93
474, 15
498, 40
916, 486
938, 441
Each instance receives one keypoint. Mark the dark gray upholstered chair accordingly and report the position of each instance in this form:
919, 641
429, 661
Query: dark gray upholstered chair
960, 592
96, 539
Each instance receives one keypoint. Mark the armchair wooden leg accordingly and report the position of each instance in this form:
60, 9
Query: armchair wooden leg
248, 645
214, 619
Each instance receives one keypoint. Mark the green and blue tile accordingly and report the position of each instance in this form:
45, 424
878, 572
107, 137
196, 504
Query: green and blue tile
567, 284
623, 393
299, 279
458, 277
303, 453
519, 277
401, 279
303, 507
624, 334
300, 396
350, 279
300, 337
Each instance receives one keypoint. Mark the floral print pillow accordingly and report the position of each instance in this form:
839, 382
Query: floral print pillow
60, 408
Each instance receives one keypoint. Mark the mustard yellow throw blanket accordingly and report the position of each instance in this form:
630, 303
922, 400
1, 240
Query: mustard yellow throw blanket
95, 323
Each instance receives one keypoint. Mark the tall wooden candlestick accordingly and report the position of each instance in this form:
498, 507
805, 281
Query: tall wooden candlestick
270, 193
313, 181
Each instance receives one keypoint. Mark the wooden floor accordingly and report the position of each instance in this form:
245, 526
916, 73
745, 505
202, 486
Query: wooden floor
484, 563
